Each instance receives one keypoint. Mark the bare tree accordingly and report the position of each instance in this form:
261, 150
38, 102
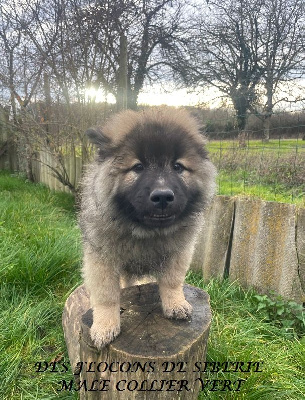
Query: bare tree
282, 41
20, 73
224, 53
28, 35
81, 41
150, 28
246, 49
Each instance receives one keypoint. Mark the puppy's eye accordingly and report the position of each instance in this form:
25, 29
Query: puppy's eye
178, 167
138, 167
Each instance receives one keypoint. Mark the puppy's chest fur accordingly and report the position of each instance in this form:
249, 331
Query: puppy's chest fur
142, 257
143, 264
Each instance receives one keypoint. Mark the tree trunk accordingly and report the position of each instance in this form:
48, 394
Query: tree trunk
47, 107
11, 139
121, 98
266, 128
268, 108
29, 163
152, 358
242, 139
240, 106
132, 100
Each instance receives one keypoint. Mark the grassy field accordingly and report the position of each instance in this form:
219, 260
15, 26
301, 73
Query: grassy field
273, 171
40, 266
282, 145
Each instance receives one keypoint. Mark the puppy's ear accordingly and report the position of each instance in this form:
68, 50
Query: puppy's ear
97, 137
103, 142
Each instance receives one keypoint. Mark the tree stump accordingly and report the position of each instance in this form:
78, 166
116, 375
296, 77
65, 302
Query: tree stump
152, 358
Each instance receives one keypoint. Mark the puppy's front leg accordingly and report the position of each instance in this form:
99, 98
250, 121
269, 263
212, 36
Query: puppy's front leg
103, 285
171, 292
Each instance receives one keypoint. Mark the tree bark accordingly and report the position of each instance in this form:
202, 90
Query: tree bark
121, 98
266, 128
152, 358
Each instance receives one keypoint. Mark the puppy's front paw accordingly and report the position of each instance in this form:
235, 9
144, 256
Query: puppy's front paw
181, 310
102, 334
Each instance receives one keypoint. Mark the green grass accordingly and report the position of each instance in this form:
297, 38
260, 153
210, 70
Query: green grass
282, 145
40, 266
239, 333
232, 184
39, 253
273, 171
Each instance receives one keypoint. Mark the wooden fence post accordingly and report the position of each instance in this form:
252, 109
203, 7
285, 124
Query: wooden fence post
152, 358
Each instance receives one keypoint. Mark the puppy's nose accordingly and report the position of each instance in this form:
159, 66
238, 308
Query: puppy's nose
161, 197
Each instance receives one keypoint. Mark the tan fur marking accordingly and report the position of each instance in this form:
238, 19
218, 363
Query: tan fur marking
122, 123
130, 177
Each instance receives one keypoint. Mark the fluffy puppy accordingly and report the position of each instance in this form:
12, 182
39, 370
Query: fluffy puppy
143, 202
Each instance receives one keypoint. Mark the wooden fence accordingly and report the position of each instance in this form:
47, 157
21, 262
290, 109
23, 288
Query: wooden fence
261, 244
45, 162
18, 152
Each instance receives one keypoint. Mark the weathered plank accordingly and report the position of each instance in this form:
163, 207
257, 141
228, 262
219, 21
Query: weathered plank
211, 251
264, 249
300, 242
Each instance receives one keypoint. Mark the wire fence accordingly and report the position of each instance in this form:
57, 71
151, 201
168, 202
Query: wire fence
273, 170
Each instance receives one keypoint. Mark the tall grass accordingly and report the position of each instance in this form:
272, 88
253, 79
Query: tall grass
40, 263
39, 253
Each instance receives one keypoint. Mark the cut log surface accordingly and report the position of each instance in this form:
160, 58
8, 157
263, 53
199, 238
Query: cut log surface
152, 358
